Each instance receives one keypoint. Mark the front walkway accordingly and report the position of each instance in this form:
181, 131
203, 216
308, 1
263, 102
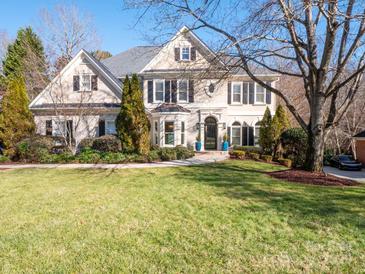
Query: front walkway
198, 159
353, 175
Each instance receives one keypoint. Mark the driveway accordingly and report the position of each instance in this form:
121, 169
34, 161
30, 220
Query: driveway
353, 175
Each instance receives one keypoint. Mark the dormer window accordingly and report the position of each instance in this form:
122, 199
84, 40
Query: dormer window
86, 82
185, 54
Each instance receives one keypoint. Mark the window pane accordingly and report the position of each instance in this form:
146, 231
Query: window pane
182, 133
183, 90
159, 90
257, 135
86, 83
236, 93
236, 136
185, 54
169, 133
110, 127
260, 94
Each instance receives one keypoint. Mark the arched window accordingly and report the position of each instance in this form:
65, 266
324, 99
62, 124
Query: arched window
236, 134
257, 133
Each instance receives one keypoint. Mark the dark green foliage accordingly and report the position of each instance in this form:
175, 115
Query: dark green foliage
4, 159
107, 143
167, 154
25, 58
89, 156
132, 122
153, 156
266, 138
16, 121
183, 153
248, 149
294, 141
280, 123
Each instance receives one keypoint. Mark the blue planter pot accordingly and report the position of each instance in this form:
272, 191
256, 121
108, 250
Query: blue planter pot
225, 146
198, 146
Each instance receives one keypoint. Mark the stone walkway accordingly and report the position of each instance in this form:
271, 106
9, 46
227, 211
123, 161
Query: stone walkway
198, 159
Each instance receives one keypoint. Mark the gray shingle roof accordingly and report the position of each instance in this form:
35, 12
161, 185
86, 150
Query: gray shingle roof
130, 61
170, 108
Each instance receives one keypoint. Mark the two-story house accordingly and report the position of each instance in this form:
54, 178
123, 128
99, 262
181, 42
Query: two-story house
186, 89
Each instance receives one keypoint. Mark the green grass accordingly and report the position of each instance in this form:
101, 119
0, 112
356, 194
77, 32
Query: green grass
226, 217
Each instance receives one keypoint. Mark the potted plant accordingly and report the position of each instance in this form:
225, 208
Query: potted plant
198, 143
225, 142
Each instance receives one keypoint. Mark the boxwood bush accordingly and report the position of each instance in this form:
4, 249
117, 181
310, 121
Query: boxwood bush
248, 149
107, 143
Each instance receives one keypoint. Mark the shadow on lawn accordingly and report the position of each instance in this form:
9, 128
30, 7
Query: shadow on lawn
303, 203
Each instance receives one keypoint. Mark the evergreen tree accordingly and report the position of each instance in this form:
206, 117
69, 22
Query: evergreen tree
25, 58
16, 120
266, 140
140, 133
280, 123
124, 121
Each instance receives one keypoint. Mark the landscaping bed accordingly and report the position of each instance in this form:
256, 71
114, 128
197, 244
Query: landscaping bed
313, 178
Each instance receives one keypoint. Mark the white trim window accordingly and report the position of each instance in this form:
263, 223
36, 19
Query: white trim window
183, 89
169, 133
86, 82
260, 94
257, 133
159, 91
236, 134
185, 54
110, 128
236, 93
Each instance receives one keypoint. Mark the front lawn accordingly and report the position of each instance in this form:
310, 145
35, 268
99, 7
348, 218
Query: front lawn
226, 217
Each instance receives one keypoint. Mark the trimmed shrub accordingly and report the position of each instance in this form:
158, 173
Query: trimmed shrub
183, 153
4, 159
113, 158
107, 143
266, 158
88, 156
86, 143
34, 149
254, 156
248, 149
153, 156
237, 154
285, 162
62, 158
167, 154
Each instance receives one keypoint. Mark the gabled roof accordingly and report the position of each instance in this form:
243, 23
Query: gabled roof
96, 64
166, 107
360, 134
131, 61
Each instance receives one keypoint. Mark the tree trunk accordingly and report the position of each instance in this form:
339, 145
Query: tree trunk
316, 136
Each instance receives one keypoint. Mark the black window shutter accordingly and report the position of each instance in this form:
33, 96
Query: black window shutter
245, 93
177, 54
251, 141
167, 91
268, 94
70, 130
76, 82
94, 82
101, 127
150, 91
244, 136
49, 127
229, 135
174, 91
191, 91
251, 93
193, 54
229, 93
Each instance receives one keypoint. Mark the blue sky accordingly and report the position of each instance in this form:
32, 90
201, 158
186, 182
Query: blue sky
113, 24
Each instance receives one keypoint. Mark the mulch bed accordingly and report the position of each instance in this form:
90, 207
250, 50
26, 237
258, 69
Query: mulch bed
305, 177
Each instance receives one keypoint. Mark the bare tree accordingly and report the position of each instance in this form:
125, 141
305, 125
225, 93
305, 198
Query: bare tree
4, 42
65, 31
320, 42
